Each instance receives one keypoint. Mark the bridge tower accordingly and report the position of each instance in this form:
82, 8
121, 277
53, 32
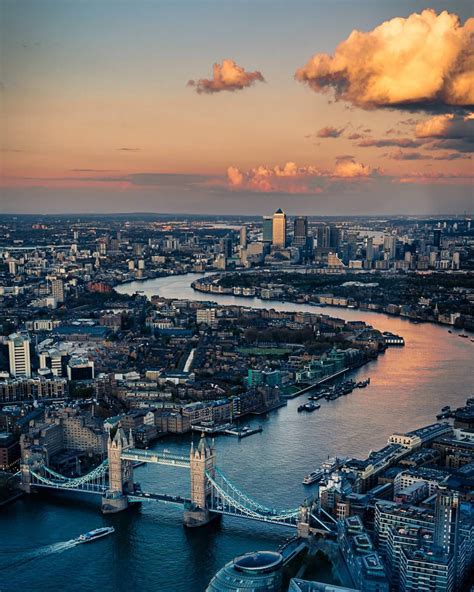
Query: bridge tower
202, 460
120, 473
29, 460
303, 520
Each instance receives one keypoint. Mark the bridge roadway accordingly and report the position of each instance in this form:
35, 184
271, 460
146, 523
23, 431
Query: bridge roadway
84, 488
139, 496
224, 509
155, 457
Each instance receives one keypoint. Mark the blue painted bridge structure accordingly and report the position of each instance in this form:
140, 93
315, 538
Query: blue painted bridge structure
212, 493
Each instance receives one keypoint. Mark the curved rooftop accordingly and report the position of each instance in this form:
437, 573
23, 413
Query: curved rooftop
258, 561
259, 571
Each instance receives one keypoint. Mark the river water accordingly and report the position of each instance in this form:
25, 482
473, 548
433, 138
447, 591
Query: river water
151, 551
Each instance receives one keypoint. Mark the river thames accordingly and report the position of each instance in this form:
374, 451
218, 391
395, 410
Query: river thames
151, 551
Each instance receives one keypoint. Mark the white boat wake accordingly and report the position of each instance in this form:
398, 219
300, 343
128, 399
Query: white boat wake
22, 557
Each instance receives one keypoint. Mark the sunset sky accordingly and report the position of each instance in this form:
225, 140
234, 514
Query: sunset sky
232, 107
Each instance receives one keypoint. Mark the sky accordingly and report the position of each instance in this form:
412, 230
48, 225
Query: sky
240, 107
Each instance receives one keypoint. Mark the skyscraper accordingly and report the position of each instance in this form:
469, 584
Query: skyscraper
267, 226
390, 245
369, 248
226, 247
19, 355
279, 229
243, 237
334, 238
300, 235
323, 237
446, 520
328, 237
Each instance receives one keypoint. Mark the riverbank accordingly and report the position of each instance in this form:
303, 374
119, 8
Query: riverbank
315, 385
212, 284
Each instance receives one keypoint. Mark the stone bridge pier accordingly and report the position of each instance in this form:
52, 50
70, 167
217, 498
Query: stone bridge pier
202, 460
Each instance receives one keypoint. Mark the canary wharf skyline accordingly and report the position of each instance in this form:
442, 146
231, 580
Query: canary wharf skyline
237, 107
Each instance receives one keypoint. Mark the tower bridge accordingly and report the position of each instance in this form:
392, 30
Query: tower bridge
211, 492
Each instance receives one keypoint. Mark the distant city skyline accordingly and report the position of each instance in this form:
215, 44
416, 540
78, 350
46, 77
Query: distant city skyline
237, 108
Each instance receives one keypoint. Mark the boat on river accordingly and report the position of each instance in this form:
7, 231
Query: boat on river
95, 534
309, 407
329, 465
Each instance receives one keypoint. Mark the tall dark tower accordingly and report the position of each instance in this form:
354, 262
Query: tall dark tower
226, 247
334, 238
267, 228
446, 520
437, 237
324, 237
300, 234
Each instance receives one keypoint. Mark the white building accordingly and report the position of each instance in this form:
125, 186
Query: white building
205, 315
19, 355
57, 290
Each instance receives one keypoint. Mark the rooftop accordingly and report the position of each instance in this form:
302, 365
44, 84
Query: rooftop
259, 561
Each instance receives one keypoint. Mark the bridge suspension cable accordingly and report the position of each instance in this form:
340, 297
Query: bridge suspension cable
97, 471
94, 481
227, 499
240, 494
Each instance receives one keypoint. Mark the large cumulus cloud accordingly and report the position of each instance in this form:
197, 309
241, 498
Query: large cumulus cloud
226, 76
349, 168
278, 178
449, 131
293, 178
423, 61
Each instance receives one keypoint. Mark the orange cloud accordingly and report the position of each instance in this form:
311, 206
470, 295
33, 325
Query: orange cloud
400, 155
446, 126
435, 178
330, 132
226, 76
277, 178
385, 142
349, 168
424, 61
292, 178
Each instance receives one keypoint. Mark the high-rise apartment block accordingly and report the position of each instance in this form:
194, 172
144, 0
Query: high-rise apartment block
19, 355
57, 289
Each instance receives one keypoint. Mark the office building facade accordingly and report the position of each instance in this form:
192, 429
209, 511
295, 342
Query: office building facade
279, 229
267, 229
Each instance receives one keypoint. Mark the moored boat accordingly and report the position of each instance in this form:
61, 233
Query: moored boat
312, 477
